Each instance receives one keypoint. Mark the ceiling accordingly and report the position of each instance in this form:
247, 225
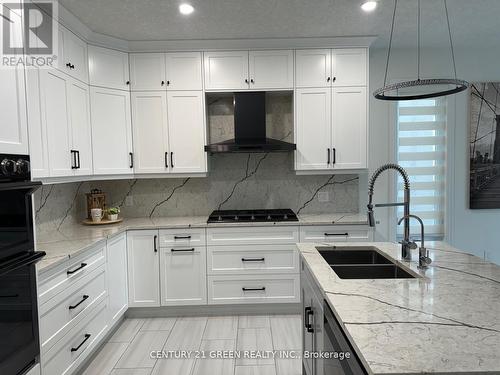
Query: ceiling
136, 20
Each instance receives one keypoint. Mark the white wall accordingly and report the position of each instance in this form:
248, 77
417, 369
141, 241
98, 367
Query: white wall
471, 230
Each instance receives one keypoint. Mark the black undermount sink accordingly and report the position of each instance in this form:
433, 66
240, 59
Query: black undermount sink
362, 263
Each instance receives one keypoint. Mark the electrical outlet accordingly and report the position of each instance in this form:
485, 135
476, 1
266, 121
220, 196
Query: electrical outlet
129, 201
323, 197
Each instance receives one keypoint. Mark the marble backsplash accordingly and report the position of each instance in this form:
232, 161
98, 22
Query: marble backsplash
235, 181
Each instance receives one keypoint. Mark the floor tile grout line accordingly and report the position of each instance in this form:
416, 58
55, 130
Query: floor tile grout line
199, 346
272, 341
128, 344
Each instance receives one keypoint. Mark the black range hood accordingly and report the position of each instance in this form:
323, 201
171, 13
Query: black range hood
250, 128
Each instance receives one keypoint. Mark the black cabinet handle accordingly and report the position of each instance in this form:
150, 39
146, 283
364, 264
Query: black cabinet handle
168, 83
166, 159
73, 159
253, 259
172, 159
83, 265
87, 336
84, 298
328, 156
154, 243
334, 152
131, 154
307, 323
328, 79
334, 79
246, 80
72, 66
252, 81
78, 158
127, 83
253, 289
68, 65
163, 83
336, 234
182, 237
181, 250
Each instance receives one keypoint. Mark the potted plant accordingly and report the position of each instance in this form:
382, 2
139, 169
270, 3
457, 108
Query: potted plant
113, 213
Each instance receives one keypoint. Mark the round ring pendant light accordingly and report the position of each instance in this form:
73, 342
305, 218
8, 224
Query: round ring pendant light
444, 86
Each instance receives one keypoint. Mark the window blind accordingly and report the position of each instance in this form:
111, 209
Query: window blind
421, 150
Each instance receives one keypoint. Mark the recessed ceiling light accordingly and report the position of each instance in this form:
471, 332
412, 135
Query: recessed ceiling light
186, 9
369, 6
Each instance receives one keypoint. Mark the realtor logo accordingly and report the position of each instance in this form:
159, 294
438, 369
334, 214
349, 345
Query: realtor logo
29, 33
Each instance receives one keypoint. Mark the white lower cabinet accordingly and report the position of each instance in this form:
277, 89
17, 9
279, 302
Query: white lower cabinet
116, 276
143, 268
183, 276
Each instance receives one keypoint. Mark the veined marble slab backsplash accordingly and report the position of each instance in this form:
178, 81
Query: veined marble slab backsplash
235, 181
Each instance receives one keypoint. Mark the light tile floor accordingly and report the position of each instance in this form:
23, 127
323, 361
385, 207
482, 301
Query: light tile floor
127, 352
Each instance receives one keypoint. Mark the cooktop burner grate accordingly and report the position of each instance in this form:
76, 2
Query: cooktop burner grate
248, 216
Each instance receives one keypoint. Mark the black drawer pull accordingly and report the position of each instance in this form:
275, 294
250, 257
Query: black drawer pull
172, 159
184, 250
253, 289
84, 298
337, 234
154, 244
334, 153
307, 323
87, 336
83, 265
328, 156
131, 154
166, 159
182, 237
253, 259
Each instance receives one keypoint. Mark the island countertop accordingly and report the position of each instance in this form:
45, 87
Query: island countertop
445, 322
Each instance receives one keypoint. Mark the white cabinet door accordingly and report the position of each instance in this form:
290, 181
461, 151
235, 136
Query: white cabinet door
186, 129
313, 127
349, 127
73, 57
271, 69
79, 114
313, 68
55, 116
184, 71
14, 127
349, 66
150, 129
147, 71
143, 268
111, 131
226, 70
116, 273
108, 68
183, 276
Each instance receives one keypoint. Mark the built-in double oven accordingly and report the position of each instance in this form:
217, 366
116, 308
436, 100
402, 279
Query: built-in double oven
19, 335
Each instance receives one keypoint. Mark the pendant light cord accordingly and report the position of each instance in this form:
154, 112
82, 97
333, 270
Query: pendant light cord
451, 40
390, 41
418, 41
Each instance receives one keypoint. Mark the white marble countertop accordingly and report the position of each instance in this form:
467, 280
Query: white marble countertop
446, 322
71, 239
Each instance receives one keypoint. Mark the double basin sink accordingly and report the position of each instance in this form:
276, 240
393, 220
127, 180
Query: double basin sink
362, 263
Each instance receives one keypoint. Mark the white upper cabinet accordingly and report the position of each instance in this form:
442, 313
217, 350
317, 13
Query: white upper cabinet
14, 127
313, 127
79, 116
184, 71
349, 128
108, 68
226, 70
150, 129
111, 131
271, 69
147, 71
183, 276
73, 58
349, 67
186, 124
143, 268
313, 68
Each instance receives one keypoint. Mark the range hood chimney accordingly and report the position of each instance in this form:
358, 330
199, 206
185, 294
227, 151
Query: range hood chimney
250, 128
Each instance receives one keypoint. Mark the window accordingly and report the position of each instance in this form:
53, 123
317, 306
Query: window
421, 150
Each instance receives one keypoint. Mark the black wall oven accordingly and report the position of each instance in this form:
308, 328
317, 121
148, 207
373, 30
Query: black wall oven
19, 336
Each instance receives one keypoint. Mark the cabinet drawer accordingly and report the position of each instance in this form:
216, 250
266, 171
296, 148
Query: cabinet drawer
242, 259
334, 233
66, 275
253, 289
69, 352
182, 237
253, 235
62, 312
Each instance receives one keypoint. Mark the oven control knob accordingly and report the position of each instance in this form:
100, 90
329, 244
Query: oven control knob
7, 167
22, 167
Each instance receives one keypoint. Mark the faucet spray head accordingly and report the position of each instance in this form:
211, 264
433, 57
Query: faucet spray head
371, 216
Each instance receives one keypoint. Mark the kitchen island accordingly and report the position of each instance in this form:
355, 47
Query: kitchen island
445, 321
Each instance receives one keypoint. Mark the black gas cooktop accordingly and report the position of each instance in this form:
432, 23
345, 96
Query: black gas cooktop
249, 216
